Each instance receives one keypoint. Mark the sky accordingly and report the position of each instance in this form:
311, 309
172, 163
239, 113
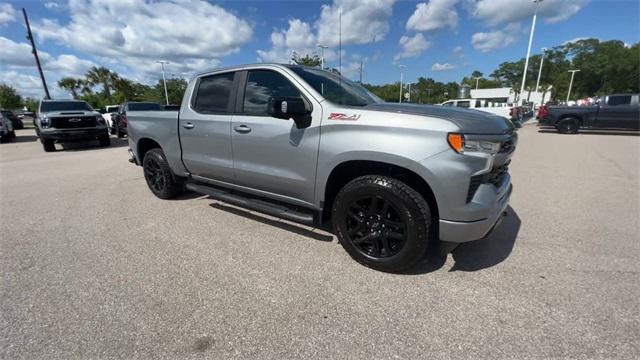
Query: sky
442, 39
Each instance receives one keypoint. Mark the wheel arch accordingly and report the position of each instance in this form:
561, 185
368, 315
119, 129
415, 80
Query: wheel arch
145, 144
572, 115
348, 170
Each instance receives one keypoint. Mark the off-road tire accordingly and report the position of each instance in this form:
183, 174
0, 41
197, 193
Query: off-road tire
158, 175
411, 210
48, 145
568, 125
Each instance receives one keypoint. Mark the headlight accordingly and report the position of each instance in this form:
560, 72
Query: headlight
44, 122
460, 144
100, 120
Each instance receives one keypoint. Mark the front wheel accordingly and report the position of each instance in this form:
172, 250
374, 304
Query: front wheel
48, 145
382, 223
158, 175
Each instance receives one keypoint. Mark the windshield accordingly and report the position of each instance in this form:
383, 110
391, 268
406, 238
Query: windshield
144, 107
48, 106
336, 88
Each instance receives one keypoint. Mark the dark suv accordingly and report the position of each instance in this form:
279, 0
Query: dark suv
119, 119
68, 120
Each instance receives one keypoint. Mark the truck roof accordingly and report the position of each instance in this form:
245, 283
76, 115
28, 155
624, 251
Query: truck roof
245, 66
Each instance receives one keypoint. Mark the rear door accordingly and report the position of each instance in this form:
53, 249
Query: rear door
269, 154
205, 127
619, 112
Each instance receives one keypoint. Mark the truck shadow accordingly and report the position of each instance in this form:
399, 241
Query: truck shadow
91, 145
300, 230
552, 130
480, 254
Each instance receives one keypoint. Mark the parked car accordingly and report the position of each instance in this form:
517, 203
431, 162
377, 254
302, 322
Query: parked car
7, 132
107, 113
68, 120
615, 112
15, 121
482, 105
307, 145
119, 118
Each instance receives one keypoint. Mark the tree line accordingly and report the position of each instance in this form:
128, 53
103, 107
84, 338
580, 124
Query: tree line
606, 67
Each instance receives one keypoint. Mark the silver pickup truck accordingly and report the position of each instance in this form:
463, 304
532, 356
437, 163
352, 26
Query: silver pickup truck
310, 146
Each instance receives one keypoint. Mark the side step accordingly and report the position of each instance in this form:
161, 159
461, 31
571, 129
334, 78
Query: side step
252, 203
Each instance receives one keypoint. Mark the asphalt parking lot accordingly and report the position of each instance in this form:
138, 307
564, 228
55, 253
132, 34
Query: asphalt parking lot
94, 266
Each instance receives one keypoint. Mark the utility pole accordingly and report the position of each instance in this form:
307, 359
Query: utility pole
540, 71
361, 67
322, 47
401, 68
573, 73
35, 54
477, 81
409, 92
164, 80
526, 61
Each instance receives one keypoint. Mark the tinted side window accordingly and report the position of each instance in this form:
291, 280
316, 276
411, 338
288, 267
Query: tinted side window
448, 103
619, 100
464, 104
213, 93
261, 86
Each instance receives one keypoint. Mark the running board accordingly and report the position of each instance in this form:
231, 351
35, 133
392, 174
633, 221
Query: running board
251, 203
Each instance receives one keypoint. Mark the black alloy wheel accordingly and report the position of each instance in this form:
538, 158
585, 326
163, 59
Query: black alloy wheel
153, 174
375, 226
158, 175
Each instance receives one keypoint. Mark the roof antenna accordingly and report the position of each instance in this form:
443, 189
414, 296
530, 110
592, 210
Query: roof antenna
340, 55
34, 51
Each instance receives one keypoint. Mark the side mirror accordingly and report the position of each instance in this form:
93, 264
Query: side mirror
290, 108
102, 111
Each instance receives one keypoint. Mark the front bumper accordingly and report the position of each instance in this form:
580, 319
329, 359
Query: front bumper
464, 231
74, 134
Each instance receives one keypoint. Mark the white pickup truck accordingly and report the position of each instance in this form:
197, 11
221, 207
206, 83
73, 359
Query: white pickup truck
500, 109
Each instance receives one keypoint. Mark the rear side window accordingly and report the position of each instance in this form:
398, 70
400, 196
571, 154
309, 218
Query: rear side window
619, 100
262, 85
213, 93
478, 104
463, 104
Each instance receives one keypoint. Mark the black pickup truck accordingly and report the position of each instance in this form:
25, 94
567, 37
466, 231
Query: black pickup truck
612, 112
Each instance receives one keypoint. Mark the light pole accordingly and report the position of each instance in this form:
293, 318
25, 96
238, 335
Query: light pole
322, 47
540, 71
573, 73
477, 81
164, 80
402, 67
526, 61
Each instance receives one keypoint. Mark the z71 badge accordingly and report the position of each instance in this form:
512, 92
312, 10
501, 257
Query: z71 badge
340, 116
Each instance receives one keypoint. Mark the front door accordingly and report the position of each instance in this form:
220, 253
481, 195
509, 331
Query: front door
205, 128
619, 112
269, 154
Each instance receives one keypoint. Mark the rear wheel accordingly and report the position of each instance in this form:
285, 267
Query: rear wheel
382, 223
48, 145
568, 125
158, 175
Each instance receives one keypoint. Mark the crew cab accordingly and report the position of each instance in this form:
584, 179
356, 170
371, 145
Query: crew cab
69, 120
119, 118
611, 112
309, 146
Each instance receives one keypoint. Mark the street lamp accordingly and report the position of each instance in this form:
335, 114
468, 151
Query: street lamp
526, 62
402, 67
573, 73
477, 80
322, 47
540, 71
164, 80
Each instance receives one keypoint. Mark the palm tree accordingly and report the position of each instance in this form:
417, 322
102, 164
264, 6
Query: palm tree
104, 77
125, 87
72, 85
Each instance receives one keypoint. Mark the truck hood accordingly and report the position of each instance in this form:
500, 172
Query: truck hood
469, 121
71, 113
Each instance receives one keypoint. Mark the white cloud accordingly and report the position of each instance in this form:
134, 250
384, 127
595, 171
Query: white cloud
495, 12
29, 85
363, 21
574, 40
434, 15
184, 32
412, 46
442, 67
298, 37
51, 5
489, 41
7, 13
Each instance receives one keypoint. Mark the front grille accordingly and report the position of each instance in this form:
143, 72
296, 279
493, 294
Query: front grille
73, 122
494, 177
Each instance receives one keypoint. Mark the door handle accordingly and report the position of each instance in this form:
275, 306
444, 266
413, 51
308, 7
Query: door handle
188, 125
243, 129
